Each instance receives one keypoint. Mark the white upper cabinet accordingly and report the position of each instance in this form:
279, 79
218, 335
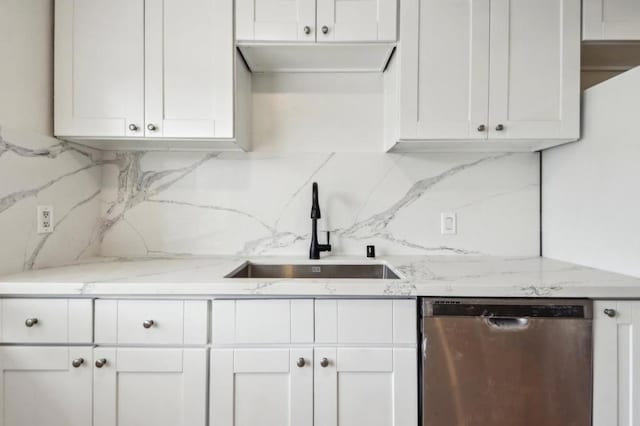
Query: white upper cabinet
189, 69
356, 20
316, 20
502, 72
99, 68
152, 69
275, 20
535, 61
611, 19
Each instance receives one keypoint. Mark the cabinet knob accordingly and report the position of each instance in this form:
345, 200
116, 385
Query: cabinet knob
324, 363
101, 362
500, 127
325, 29
152, 127
482, 128
30, 322
77, 362
133, 127
301, 362
610, 312
307, 29
148, 323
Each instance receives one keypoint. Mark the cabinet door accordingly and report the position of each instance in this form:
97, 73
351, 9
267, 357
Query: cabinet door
611, 19
261, 387
275, 20
40, 386
99, 68
356, 20
365, 386
150, 387
616, 359
535, 69
444, 69
189, 69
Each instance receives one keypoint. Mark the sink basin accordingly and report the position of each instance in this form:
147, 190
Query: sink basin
336, 271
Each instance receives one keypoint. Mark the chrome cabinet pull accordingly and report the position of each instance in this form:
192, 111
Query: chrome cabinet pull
482, 128
148, 323
133, 127
301, 362
500, 127
324, 363
101, 362
610, 313
30, 322
325, 29
152, 127
307, 29
77, 362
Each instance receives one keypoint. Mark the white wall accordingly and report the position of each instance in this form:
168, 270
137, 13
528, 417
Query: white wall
591, 189
26, 65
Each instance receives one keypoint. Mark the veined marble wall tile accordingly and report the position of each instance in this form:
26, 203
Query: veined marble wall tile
237, 203
39, 170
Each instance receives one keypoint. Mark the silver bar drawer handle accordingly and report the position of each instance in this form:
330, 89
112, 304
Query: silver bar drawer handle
148, 323
324, 363
301, 362
77, 362
307, 29
101, 362
610, 312
325, 29
500, 127
133, 127
152, 127
30, 322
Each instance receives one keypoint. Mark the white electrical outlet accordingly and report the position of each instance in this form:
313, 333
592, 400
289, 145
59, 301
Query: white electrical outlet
45, 220
448, 224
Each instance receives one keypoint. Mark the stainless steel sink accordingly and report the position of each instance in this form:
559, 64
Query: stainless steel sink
377, 271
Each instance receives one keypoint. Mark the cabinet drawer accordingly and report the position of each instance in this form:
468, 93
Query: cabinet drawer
262, 322
46, 320
152, 322
365, 321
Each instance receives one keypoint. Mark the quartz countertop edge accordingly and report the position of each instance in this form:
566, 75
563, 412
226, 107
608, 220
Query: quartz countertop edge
438, 276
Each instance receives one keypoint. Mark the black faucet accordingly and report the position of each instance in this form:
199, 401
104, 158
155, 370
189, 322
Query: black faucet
316, 249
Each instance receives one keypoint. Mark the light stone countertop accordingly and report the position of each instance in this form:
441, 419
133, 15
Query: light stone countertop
443, 276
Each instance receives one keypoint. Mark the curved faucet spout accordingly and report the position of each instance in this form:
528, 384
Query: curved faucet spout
316, 248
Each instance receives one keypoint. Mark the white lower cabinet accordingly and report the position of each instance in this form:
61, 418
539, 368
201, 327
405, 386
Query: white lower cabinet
365, 386
45, 386
616, 359
150, 387
268, 386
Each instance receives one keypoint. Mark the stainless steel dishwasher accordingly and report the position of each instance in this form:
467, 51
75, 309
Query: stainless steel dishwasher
506, 362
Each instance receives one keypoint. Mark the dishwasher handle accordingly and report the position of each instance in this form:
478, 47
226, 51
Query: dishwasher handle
507, 323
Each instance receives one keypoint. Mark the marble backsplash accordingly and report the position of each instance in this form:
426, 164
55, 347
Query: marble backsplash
156, 203
39, 170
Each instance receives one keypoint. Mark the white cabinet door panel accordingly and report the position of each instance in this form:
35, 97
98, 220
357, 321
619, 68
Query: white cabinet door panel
261, 387
616, 359
356, 20
611, 19
445, 69
535, 62
365, 386
275, 20
150, 387
99, 68
40, 386
189, 68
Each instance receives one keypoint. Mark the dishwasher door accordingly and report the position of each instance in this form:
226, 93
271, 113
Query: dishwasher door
506, 362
